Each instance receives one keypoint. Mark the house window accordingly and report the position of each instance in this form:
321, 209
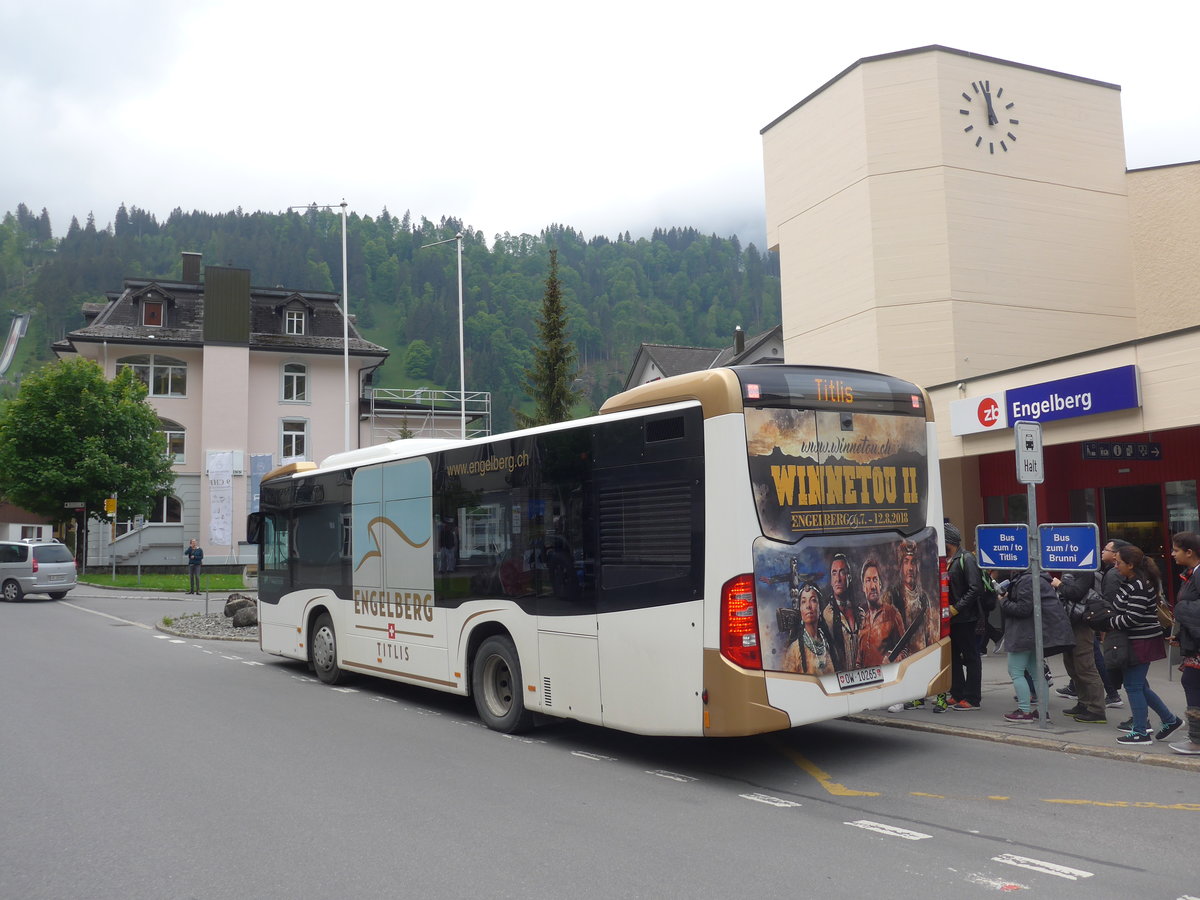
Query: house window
163, 376
295, 382
166, 510
174, 433
152, 313
295, 321
295, 440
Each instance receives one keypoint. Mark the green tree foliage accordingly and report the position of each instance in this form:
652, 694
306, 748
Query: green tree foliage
677, 286
70, 435
418, 360
549, 381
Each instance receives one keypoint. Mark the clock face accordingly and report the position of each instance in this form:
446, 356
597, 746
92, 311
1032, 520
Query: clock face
990, 117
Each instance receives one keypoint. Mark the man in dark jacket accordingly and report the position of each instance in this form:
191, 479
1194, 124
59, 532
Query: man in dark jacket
1080, 662
966, 587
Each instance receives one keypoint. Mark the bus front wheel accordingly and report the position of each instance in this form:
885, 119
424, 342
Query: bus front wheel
323, 651
496, 687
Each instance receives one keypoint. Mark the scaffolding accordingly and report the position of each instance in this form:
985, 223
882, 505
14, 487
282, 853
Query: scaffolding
425, 413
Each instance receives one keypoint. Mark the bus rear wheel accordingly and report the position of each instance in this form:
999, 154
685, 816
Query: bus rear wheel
496, 687
322, 651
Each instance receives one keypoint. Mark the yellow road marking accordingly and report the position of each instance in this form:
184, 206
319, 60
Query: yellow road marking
823, 778
1128, 804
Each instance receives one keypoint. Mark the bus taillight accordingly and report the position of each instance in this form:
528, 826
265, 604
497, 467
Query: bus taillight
739, 623
945, 604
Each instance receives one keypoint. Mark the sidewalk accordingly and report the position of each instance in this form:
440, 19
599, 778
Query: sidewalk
1063, 733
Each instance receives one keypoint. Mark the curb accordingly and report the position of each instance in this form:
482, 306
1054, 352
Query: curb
1184, 763
174, 632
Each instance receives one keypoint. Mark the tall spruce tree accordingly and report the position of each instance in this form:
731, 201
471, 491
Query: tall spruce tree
549, 382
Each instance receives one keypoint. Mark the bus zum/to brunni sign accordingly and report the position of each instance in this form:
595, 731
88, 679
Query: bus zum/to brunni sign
727, 552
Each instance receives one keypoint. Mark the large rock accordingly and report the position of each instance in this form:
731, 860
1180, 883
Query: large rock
245, 617
237, 602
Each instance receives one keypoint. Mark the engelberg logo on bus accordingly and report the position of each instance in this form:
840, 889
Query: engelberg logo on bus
393, 604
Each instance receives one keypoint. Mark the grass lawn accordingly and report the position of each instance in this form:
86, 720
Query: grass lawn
153, 582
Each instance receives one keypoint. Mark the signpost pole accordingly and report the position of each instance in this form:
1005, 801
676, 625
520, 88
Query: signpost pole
1031, 473
1035, 569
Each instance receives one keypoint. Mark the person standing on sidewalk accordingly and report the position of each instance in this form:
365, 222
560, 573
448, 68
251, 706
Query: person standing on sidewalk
1185, 547
1020, 637
1080, 661
966, 587
1135, 614
195, 557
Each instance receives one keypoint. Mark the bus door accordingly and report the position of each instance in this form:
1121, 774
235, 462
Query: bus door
394, 622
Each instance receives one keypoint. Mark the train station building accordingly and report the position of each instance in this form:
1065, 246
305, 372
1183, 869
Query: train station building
969, 223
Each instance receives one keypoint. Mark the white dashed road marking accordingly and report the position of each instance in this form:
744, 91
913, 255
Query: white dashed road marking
769, 800
1038, 865
889, 830
673, 776
596, 757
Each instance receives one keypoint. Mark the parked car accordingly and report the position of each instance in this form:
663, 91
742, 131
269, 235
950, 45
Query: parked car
35, 567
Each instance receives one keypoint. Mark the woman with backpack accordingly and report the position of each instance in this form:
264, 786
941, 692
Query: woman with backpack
1016, 609
1135, 616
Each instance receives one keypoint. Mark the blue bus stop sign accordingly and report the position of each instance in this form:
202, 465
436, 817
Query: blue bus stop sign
1071, 547
1002, 546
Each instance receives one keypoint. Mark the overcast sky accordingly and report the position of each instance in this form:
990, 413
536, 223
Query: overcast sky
606, 116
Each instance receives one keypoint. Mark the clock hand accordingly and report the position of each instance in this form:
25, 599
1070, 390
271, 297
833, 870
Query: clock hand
992, 117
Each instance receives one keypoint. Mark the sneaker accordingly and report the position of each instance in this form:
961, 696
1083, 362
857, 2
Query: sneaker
1068, 691
940, 703
963, 704
1167, 730
1090, 718
1114, 701
1127, 725
1135, 737
1018, 716
915, 704
1077, 710
1188, 748
896, 707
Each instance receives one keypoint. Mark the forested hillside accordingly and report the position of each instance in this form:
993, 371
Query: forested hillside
676, 287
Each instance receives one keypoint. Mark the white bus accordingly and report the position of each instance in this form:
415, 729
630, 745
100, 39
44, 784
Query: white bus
727, 552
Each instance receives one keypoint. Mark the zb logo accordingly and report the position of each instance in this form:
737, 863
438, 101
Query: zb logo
989, 412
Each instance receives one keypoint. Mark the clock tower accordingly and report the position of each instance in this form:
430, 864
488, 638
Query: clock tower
941, 214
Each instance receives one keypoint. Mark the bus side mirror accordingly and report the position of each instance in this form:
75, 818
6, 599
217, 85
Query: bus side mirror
254, 528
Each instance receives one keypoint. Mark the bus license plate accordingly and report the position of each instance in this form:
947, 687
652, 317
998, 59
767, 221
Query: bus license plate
859, 677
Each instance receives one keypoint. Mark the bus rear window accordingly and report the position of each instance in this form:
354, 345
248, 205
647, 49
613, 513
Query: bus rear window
817, 471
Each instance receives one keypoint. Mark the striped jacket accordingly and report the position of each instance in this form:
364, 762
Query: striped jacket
1134, 610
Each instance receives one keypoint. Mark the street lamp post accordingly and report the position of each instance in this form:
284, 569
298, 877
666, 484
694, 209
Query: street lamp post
462, 368
345, 314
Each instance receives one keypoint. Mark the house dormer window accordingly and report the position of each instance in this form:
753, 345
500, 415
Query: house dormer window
152, 313
294, 322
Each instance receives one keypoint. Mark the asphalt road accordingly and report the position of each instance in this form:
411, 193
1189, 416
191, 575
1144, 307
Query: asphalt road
138, 765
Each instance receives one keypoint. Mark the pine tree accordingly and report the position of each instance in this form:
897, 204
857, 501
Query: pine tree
549, 382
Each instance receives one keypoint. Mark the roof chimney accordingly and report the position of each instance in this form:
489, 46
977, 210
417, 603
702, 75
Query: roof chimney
739, 341
191, 267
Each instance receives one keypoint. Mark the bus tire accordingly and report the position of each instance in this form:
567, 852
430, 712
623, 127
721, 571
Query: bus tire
496, 687
322, 651
12, 591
